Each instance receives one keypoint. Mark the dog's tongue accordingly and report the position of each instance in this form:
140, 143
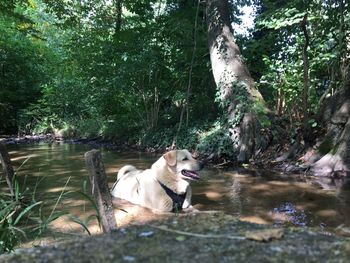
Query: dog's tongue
190, 174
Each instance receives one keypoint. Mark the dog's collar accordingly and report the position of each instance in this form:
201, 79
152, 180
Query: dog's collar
178, 199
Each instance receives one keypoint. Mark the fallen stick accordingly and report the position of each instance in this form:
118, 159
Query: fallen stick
163, 228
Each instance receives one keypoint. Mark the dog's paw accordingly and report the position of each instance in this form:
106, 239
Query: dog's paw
190, 209
161, 212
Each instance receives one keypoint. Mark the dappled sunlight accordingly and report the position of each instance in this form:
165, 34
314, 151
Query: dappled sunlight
261, 187
65, 224
307, 205
127, 213
274, 199
60, 189
58, 173
327, 213
278, 183
23, 158
255, 220
57, 169
214, 195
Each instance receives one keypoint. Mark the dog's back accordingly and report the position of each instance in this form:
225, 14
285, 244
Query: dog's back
125, 169
126, 186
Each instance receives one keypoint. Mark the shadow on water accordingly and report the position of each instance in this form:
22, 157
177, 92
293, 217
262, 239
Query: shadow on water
264, 198
53, 168
276, 198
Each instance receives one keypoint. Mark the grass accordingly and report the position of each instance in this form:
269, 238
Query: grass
21, 215
85, 223
14, 215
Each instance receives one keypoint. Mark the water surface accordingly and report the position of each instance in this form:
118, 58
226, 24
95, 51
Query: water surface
260, 196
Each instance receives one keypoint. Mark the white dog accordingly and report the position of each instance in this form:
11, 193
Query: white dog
164, 187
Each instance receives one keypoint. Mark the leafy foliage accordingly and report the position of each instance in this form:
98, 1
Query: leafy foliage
278, 27
23, 64
119, 82
130, 70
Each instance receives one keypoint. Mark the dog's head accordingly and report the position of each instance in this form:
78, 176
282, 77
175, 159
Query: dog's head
183, 164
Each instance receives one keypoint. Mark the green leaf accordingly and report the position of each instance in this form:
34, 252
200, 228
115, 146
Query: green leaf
25, 211
80, 222
54, 216
180, 238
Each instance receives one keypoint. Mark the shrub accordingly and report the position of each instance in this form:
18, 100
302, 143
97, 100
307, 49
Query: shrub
216, 141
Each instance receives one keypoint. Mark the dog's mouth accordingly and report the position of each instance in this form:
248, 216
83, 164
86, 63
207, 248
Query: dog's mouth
190, 174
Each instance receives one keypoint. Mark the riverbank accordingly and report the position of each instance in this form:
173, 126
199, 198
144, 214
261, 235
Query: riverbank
50, 138
287, 159
195, 238
11, 139
266, 160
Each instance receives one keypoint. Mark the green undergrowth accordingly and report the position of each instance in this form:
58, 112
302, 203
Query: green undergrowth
23, 216
208, 140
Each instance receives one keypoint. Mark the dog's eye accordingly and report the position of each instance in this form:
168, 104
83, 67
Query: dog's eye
185, 159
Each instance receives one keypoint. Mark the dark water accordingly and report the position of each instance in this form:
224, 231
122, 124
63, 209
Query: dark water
260, 196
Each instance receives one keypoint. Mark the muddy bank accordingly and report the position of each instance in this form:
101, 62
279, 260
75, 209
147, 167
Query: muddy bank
277, 158
10, 139
222, 239
97, 142
266, 160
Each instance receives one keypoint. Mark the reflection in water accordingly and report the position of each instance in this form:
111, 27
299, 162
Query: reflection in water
273, 198
287, 212
267, 198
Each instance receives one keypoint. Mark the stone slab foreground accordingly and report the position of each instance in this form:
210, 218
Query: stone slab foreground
192, 238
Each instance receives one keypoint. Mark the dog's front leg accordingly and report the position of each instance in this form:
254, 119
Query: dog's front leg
188, 198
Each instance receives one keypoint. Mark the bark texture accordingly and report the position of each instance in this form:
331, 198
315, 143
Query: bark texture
237, 93
303, 26
118, 5
6, 167
100, 190
335, 149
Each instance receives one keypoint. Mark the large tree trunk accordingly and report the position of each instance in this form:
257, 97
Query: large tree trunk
238, 95
335, 115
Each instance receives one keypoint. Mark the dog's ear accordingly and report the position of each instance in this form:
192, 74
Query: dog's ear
170, 158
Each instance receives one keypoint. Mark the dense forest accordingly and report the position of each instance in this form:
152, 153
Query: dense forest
236, 82
186, 74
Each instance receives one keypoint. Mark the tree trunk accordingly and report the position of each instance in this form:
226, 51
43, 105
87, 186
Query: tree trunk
118, 12
100, 190
335, 149
238, 96
7, 167
305, 98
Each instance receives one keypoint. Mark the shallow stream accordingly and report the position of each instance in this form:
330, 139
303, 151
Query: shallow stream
257, 196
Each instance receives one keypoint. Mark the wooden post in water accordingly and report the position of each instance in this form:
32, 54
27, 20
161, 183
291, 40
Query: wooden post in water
100, 190
6, 166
